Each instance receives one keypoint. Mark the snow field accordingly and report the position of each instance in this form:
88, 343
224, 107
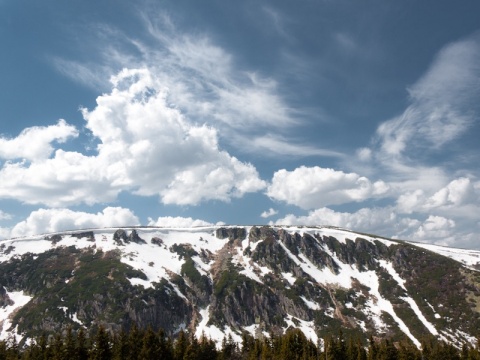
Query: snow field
19, 300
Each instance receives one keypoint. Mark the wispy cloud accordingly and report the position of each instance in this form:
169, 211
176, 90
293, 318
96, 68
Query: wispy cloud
441, 103
203, 80
4, 215
274, 145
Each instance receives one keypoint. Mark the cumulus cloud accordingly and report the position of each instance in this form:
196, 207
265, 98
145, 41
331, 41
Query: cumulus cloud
379, 221
35, 143
435, 229
179, 222
147, 146
457, 197
387, 222
269, 213
4, 233
53, 220
312, 187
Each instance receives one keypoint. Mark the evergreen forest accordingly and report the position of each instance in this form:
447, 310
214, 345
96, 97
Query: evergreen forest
138, 344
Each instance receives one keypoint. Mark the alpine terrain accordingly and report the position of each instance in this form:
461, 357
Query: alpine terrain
230, 280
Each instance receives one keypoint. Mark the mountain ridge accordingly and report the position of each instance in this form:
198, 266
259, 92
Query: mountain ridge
227, 279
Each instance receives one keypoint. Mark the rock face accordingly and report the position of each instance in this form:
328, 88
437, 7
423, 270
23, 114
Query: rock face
231, 233
4, 298
235, 279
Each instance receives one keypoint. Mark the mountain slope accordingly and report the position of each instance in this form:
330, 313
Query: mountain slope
227, 280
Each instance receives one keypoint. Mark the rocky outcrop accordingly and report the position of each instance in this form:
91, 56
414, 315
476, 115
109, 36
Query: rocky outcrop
54, 238
231, 233
4, 298
89, 235
134, 237
157, 241
120, 236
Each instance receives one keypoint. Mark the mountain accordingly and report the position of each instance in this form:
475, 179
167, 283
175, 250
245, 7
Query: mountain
227, 280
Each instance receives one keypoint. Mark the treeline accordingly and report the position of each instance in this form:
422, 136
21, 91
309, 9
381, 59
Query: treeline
140, 344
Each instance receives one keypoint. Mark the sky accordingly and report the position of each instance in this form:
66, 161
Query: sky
362, 115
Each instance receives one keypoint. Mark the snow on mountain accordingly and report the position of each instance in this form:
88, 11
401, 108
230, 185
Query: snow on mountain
311, 276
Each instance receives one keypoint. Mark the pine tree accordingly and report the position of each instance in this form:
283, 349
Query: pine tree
69, 348
192, 350
3, 350
102, 346
135, 341
229, 348
165, 345
207, 349
82, 346
180, 346
387, 351
372, 349
57, 348
352, 349
12, 348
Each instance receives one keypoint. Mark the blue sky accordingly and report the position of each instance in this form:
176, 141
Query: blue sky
360, 115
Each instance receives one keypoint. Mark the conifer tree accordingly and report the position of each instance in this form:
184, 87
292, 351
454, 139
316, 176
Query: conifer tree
120, 346
135, 342
69, 348
372, 349
57, 348
207, 349
12, 348
229, 348
192, 350
165, 345
102, 346
180, 346
248, 342
3, 350
82, 346
387, 351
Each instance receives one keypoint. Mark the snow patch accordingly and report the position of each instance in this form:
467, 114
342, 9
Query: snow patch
289, 277
307, 327
19, 300
213, 332
311, 304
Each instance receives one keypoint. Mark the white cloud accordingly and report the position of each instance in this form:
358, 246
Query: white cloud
457, 192
436, 114
436, 229
457, 198
146, 146
378, 221
269, 213
388, 222
4, 215
35, 143
275, 145
54, 220
205, 82
364, 154
178, 221
67, 178
312, 187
